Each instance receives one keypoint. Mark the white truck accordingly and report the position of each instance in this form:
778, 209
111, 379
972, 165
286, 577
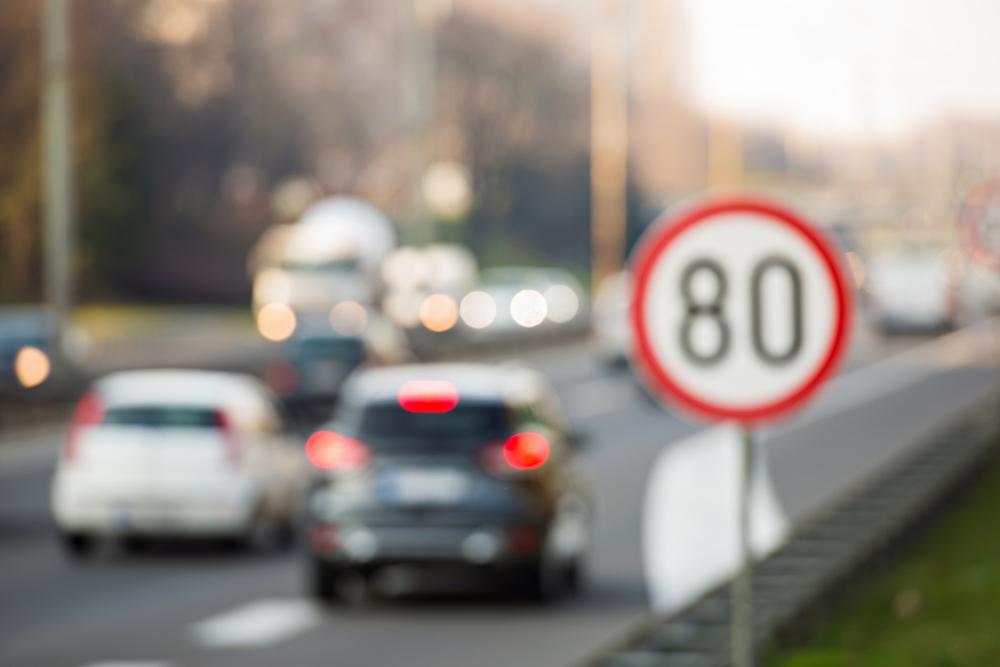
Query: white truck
333, 253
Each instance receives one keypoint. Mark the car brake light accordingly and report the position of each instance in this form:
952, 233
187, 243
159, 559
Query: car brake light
526, 451
228, 431
521, 451
433, 396
89, 412
331, 451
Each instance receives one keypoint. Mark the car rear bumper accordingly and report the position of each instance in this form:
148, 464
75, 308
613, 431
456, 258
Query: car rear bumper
480, 545
124, 509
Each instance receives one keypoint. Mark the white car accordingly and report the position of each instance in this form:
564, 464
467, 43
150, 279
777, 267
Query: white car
530, 297
912, 291
176, 452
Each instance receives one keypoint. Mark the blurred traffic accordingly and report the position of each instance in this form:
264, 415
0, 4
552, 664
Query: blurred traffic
319, 315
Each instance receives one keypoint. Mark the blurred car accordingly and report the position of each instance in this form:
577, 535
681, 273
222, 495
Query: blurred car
610, 319
845, 238
180, 453
530, 297
315, 365
912, 291
30, 358
461, 465
332, 254
319, 357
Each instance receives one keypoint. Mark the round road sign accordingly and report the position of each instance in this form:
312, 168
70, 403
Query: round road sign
740, 309
979, 224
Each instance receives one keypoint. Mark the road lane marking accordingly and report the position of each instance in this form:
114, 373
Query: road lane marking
129, 663
256, 624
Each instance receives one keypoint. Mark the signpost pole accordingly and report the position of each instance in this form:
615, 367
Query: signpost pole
742, 640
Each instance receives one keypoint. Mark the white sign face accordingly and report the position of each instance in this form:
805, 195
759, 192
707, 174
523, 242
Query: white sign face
740, 310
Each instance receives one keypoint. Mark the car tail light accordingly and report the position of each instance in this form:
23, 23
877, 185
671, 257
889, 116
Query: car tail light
521, 451
434, 396
324, 539
89, 413
332, 451
228, 431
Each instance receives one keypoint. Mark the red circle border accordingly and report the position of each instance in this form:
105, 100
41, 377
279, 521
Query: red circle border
968, 224
667, 229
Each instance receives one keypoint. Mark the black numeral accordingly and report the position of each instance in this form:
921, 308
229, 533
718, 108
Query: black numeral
711, 309
756, 308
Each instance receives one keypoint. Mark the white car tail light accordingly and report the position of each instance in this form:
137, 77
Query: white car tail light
228, 432
89, 413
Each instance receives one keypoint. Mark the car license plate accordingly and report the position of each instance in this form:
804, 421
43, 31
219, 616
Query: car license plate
424, 486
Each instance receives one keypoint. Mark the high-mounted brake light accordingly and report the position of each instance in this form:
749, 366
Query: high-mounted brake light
433, 396
332, 451
89, 412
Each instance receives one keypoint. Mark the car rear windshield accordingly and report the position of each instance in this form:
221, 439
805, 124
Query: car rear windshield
388, 425
163, 417
347, 349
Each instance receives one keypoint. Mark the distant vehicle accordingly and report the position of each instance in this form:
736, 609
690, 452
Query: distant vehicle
846, 240
413, 273
185, 453
610, 319
334, 253
912, 291
462, 465
319, 358
30, 360
320, 363
529, 297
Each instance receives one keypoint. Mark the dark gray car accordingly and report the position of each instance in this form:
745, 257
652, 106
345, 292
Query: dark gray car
460, 465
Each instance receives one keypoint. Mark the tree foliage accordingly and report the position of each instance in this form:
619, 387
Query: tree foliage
189, 112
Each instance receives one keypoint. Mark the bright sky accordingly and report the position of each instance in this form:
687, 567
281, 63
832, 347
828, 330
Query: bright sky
845, 67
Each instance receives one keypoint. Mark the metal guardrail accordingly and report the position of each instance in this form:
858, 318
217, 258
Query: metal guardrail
821, 556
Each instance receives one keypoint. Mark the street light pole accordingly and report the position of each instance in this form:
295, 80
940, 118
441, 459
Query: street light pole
57, 138
608, 140
422, 19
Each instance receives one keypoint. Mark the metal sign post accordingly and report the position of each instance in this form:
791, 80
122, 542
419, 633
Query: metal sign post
742, 637
740, 312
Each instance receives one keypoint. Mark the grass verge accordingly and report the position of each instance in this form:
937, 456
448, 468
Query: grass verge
939, 606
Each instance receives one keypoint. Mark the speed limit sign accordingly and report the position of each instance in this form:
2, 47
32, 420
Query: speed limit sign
740, 310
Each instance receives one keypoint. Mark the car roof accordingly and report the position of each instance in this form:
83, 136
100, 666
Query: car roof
178, 387
503, 383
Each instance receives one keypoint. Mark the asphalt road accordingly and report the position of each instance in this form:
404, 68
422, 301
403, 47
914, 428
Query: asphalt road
194, 605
